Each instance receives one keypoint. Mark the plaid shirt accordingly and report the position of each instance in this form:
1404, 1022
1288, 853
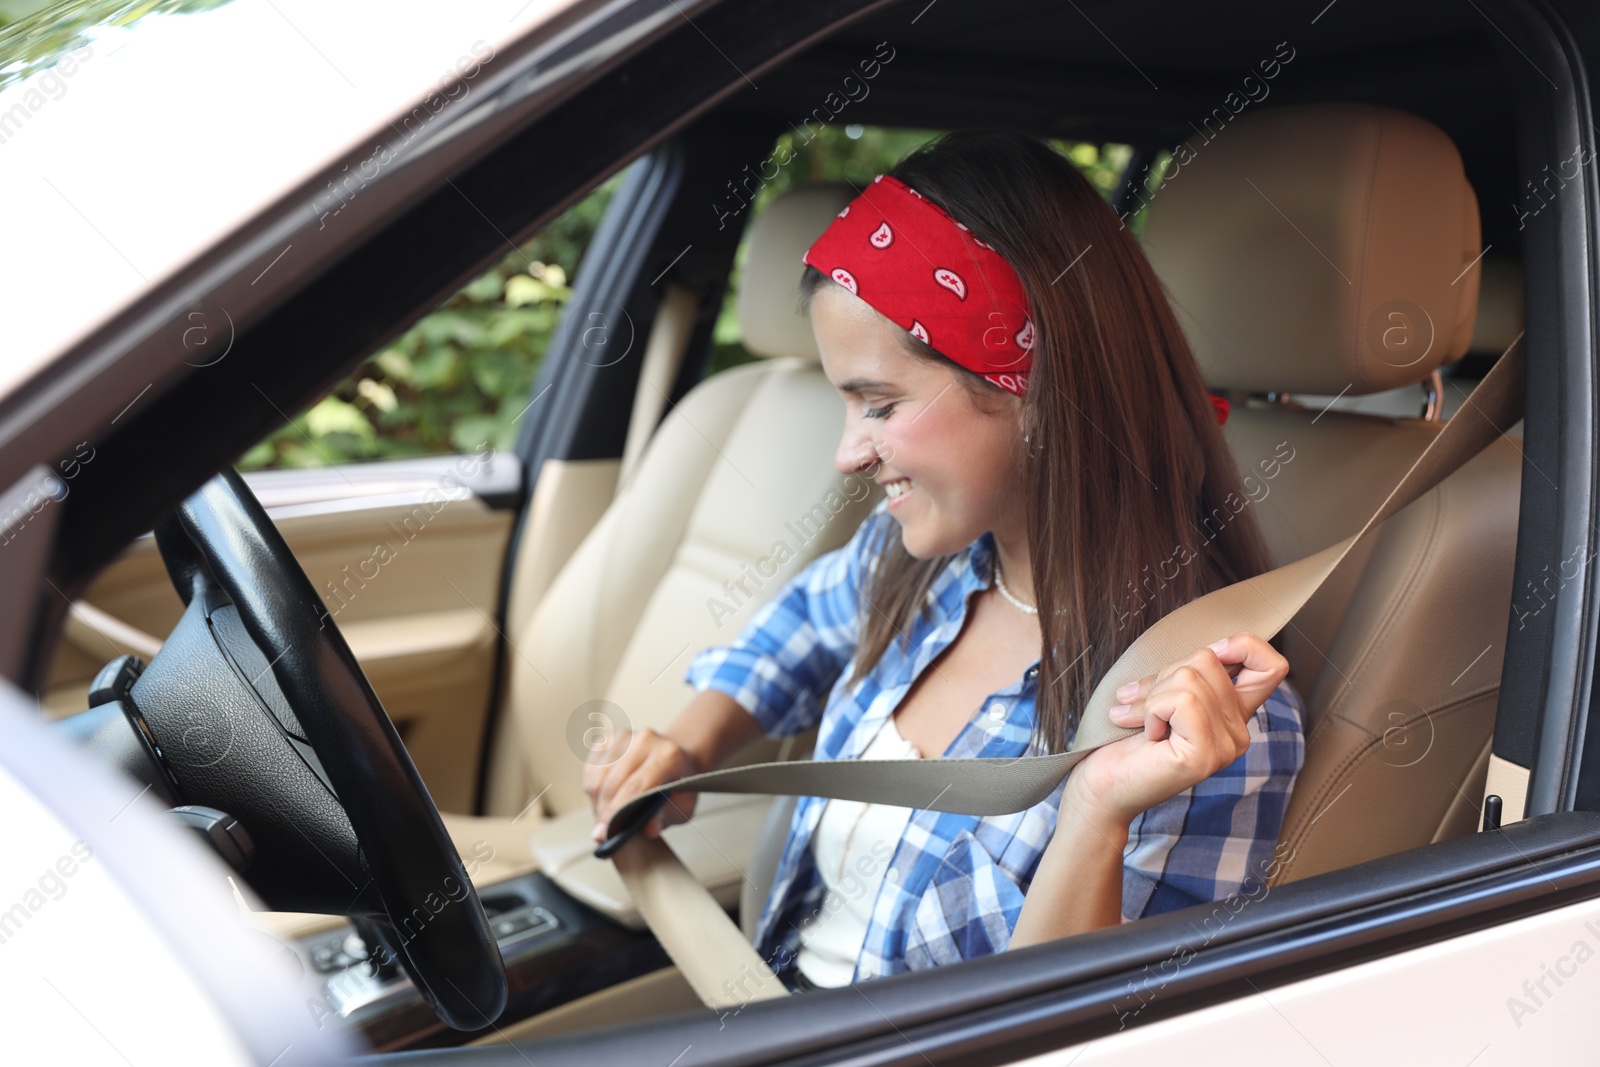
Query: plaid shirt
955, 883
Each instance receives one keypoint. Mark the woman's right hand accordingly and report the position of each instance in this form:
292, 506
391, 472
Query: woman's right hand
632, 762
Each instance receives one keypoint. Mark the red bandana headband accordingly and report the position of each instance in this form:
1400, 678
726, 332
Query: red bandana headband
927, 273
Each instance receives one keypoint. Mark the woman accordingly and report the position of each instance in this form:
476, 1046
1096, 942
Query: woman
1055, 479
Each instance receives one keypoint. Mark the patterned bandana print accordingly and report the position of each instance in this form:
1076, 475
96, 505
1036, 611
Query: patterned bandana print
927, 273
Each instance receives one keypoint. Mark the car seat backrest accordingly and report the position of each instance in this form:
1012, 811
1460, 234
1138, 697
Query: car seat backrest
1334, 249
734, 494
769, 286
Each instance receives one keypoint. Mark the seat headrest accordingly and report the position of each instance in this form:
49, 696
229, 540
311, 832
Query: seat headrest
1319, 249
769, 289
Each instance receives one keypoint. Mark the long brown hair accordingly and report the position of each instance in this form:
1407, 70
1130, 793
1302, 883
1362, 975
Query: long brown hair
1130, 470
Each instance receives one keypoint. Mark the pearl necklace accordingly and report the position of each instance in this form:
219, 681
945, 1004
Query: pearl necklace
1001, 583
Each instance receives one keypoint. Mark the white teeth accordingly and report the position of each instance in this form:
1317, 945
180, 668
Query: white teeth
894, 489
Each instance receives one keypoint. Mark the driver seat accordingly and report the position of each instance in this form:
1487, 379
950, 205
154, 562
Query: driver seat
735, 492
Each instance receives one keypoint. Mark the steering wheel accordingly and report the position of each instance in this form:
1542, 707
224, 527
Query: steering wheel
311, 730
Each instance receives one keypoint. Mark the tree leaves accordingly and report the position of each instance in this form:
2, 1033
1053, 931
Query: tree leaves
459, 377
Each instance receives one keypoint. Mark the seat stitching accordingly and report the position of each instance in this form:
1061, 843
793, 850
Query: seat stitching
1301, 831
1408, 592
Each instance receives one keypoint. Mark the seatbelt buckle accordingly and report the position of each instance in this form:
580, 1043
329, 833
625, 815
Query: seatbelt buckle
642, 815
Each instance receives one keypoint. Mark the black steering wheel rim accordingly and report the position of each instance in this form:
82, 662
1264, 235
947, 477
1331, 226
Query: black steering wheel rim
222, 537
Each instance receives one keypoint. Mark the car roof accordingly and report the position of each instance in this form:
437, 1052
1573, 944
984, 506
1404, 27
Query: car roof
1155, 76
139, 144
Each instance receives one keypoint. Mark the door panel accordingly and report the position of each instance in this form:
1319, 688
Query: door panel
407, 561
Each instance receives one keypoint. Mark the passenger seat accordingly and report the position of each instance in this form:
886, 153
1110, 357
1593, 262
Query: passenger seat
1332, 249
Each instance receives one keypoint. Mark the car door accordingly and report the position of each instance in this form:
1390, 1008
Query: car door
408, 554
1530, 883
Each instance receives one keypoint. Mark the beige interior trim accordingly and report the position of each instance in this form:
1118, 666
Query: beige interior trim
495, 848
90, 629
413, 635
1462, 817
1509, 782
649, 996
568, 499
381, 643
462, 540
431, 670
663, 356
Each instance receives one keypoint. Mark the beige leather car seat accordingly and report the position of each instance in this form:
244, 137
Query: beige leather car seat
1332, 249
739, 474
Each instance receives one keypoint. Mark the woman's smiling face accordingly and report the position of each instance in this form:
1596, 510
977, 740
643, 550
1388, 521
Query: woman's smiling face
960, 467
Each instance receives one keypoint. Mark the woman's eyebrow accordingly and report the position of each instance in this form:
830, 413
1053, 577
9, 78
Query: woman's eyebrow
856, 385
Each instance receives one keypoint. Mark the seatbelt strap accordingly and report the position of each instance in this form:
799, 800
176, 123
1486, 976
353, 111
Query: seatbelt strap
714, 953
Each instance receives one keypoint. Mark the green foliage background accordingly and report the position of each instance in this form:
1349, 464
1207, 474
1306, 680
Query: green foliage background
462, 374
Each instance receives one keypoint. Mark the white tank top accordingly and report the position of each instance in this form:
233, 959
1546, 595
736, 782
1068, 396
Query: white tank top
852, 846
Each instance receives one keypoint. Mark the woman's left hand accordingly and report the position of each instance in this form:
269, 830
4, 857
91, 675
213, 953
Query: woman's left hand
1195, 719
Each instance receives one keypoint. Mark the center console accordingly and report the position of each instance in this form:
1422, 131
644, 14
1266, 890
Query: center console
555, 949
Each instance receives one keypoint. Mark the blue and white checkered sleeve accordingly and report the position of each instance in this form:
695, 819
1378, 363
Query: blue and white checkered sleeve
792, 651
1218, 837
